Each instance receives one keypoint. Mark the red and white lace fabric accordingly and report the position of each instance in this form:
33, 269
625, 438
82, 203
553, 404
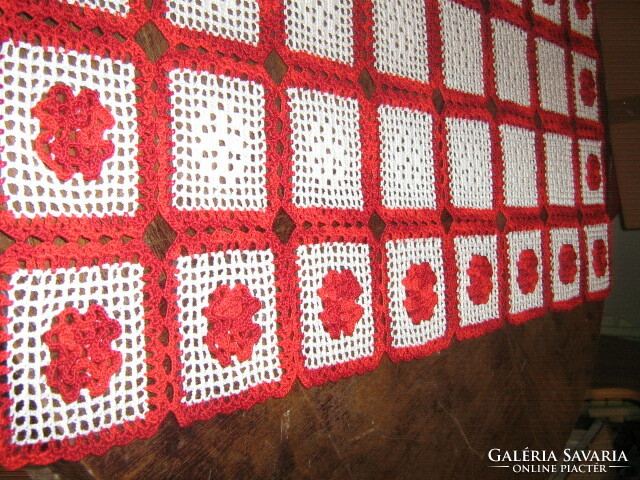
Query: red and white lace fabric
437, 166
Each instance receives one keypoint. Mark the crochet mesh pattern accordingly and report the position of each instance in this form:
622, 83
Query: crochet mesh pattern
205, 201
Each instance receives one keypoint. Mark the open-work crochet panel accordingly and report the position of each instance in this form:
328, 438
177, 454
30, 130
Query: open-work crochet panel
203, 201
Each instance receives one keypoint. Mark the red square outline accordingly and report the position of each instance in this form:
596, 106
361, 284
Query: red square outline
404, 354
555, 223
38, 32
221, 240
317, 235
204, 218
601, 219
369, 161
526, 315
467, 229
393, 98
47, 256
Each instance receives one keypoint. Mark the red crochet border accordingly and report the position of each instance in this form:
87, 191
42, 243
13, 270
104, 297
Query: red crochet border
48, 257
404, 354
221, 240
468, 229
316, 235
601, 219
565, 222
526, 315
64, 36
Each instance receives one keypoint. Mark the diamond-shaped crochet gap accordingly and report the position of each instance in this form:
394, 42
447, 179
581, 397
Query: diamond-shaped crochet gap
159, 236
501, 221
366, 82
438, 100
537, 120
283, 226
152, 41
492, 107
544, 215
5, 241
446, 220
275, 67
376, 225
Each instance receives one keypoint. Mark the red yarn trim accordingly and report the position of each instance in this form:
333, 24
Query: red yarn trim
113, 239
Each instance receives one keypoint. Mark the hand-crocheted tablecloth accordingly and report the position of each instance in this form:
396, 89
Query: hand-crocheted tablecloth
332, 180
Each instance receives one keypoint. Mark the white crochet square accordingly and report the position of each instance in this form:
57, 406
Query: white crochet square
406, 151
583, 63
549, 11
552, 81
462, 47
119, 7
520, 177
219, 142
314, 262
586, 148
199, 275
559, 237
233, 19
559, 166
327, 154
402, 255
512, 68
594, 233
322, 27
517, 2
518, 242
581, 23
37, 413
400, 38
465, 248
33, 189
469, 155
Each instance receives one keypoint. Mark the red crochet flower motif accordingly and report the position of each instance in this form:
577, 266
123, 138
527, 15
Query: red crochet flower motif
421, 297
231, 329
480, 275
582, 9
594, 176
587, 87
568, 265
81, 352
527, 271
340, 312
549, 2
599, 254
71, 134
